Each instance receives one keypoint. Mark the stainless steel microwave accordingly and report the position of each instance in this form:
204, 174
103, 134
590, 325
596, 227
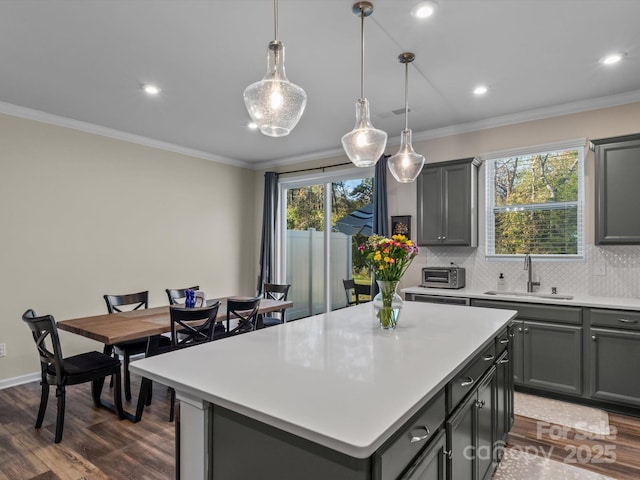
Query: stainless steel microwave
443, 277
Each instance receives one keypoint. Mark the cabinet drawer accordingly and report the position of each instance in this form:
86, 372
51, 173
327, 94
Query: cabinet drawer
614, 318
468, 378
549, 313
502, 342
411, 438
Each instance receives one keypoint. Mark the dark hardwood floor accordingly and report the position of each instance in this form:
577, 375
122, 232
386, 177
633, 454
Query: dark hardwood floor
96, 445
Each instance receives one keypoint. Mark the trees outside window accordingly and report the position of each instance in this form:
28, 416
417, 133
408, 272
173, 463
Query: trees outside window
534, 204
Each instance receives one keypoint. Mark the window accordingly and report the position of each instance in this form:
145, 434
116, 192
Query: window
535, 203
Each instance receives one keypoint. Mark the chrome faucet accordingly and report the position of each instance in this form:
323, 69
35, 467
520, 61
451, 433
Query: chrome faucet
527, 267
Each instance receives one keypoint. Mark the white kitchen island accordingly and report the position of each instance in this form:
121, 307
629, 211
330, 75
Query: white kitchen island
334, 386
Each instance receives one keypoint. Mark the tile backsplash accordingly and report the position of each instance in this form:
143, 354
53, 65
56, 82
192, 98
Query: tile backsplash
612, 271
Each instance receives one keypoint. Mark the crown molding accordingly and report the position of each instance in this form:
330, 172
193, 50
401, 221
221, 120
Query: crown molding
39, 116
501, 121
531, 115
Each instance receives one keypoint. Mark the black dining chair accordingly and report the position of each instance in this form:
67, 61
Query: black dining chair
245, 312
274, 291
175, 294
356, 293
193, 325
59, 371
129, 302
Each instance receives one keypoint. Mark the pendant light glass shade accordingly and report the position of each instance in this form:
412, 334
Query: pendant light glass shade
274, 103
405, 166
365, 144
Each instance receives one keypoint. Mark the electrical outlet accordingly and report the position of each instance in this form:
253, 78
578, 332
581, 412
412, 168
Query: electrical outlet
3, 349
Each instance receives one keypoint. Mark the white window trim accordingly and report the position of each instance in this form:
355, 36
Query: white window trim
577, 144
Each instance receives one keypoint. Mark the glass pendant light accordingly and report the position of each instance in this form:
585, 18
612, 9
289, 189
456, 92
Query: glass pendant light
274, 103
405, 166
365, 144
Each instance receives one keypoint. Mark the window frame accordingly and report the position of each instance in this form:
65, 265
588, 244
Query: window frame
490, 208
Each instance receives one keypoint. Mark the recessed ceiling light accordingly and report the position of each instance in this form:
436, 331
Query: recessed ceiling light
252, 125
151, 89
612, 58
424, 9
480, 90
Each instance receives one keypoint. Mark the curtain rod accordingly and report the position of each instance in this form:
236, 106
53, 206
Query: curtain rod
316, 168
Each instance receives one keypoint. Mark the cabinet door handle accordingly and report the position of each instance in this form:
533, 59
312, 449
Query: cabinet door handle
594, 338
444, 238
519, 329
488, 358
627, 320
415, 438
504, 360
479, 404
526, 330
503, 341
466, 382
447, 454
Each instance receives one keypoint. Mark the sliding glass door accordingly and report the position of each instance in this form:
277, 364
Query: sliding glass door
316, 237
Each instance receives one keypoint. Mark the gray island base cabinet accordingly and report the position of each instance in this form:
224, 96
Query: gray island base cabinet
340, 399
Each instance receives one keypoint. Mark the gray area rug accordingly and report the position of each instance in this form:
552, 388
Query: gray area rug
519, 465
555, 412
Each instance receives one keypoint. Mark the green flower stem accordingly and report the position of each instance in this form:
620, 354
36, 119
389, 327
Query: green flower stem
386, 315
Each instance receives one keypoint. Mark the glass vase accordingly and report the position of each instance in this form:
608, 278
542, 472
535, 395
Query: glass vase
387, 304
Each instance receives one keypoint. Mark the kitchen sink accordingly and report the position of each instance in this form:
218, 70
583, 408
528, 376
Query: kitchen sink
532, 294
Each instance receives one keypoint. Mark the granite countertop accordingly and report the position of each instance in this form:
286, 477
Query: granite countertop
336, 379
576, 301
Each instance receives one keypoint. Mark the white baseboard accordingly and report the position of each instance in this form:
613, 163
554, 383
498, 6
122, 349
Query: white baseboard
12, 382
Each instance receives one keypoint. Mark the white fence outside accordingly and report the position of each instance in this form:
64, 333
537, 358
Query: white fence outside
305, 271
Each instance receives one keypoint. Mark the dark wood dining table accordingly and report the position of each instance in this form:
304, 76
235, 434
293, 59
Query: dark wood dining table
112, 328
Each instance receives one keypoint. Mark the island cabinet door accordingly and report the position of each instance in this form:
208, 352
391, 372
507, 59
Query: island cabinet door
432, 464
460, 441
502, 404
485, 425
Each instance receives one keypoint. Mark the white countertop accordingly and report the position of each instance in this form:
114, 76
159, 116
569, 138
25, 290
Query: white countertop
576, 301
336, 379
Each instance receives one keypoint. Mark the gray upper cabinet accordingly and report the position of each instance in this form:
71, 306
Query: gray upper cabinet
447, 203
617, 192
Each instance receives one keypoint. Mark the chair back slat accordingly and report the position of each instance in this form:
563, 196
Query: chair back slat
192, 325
134, 301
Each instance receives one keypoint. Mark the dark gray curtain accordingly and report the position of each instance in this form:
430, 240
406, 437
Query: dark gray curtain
380, 211
267, 246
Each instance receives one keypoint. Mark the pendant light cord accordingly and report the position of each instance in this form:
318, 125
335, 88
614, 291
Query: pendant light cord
406, 96
275, 19
361, 52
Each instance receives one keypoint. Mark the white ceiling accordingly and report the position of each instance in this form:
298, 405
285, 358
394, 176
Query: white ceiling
85, 60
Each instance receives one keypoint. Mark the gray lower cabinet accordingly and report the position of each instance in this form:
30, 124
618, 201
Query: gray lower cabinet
432, 464
447, 198
471, 433
614, 356
617, 194
547, 346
